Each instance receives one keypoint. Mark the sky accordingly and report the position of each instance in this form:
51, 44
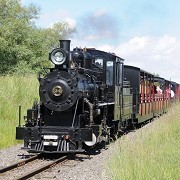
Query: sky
145, 33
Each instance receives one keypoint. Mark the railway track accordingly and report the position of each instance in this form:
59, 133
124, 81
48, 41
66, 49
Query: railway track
29, 167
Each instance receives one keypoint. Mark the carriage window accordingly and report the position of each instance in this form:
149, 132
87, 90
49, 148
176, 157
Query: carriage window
99, 62
109, 72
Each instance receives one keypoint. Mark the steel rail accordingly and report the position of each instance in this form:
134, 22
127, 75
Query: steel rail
18, 164
43, 168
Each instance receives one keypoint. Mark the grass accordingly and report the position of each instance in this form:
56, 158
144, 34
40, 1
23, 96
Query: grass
14, 91
152, 152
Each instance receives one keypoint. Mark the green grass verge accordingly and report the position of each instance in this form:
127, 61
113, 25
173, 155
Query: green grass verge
152, 152
14, 91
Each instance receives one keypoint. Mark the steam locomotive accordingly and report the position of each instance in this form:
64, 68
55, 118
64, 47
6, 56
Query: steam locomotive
88, 97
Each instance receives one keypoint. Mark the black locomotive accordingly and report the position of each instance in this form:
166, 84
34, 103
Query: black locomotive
86, 99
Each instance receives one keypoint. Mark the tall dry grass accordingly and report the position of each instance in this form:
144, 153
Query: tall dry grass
152, 152
14, 91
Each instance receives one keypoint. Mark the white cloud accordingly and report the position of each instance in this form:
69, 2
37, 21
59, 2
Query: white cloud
156, 55
49, 18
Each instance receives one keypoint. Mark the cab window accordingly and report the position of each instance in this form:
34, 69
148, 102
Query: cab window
109, 72
119, 70
99, 62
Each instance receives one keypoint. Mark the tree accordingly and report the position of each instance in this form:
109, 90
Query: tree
23, 46
15, 24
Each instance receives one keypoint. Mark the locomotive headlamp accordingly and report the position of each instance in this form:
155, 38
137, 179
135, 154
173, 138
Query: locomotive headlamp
58, 56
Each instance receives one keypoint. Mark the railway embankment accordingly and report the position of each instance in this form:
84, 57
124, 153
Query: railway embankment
152, 152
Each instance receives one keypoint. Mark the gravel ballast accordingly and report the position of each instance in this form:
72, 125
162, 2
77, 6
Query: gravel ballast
84, 167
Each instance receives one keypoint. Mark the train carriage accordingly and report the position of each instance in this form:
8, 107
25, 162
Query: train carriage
143, 92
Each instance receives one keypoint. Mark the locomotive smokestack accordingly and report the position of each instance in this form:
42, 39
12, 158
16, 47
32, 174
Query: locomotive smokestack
65, 44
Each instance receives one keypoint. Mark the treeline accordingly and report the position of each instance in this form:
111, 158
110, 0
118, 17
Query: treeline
24, 47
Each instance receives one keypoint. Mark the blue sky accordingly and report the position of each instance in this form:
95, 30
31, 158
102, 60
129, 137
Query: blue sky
143, 32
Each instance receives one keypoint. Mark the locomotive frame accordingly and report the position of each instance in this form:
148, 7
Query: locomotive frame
88, 98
